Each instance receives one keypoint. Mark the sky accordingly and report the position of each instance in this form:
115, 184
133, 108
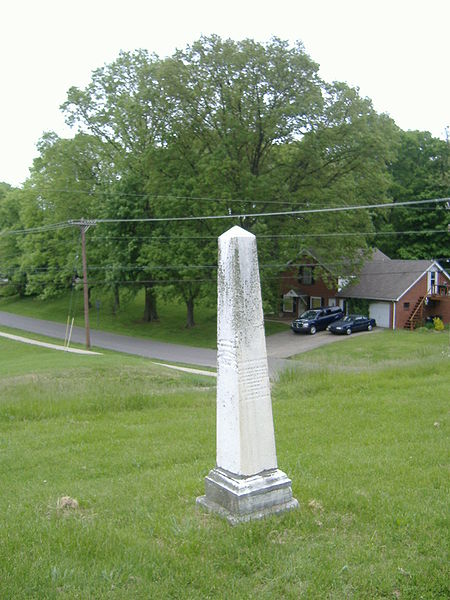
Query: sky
395, 51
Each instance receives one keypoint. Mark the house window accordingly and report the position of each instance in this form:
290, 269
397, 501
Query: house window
288, 304
315, 302
405, 305
432, 282
306, 275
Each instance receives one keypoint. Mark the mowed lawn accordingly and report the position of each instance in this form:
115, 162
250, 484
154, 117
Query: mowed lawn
362, 430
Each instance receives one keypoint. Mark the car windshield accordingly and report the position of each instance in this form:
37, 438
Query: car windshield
309, 314
348, 318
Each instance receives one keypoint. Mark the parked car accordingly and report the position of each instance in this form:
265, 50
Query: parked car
352, 323
316, 319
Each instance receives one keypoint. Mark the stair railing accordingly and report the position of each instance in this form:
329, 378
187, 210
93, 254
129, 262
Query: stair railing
418, 307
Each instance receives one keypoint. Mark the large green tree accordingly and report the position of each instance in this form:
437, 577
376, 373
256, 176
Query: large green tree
122, 108
421, 171
219, 128
253, 129
62, 185
11, 280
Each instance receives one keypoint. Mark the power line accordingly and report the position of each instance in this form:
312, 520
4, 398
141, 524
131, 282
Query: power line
274, 236
170, 196
142, 282
158, 238
268, 214
81, 222
117, 268
41, 229
148, 196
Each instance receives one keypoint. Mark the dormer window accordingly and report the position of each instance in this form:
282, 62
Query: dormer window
306, 275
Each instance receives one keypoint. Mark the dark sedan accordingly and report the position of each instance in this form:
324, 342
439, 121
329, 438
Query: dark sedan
352, 323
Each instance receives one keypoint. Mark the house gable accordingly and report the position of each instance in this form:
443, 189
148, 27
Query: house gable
434, 265
386, 279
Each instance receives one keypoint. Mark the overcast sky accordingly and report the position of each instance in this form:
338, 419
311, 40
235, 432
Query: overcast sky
395, 51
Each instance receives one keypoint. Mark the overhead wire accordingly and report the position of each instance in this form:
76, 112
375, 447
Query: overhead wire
143, 268
172, 281
41, 229
271, 236
70, 223
95, 221
270, 214
170, 196
178, 197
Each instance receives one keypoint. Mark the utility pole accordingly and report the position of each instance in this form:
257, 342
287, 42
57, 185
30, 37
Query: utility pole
84, 226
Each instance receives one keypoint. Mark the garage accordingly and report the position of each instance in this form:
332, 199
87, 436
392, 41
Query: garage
380, 311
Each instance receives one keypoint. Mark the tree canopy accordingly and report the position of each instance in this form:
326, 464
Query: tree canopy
420, 171
220, 128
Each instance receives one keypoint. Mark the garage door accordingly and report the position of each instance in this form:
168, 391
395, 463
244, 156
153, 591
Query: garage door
380, 311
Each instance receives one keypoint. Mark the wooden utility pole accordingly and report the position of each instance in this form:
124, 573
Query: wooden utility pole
84, 228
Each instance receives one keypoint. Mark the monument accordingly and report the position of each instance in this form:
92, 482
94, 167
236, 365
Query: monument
246, 482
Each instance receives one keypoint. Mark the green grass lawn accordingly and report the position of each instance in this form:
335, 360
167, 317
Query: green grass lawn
362, 431
381, 350
171, 326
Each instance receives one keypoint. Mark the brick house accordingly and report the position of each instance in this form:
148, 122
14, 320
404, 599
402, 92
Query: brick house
399, 293
303, 287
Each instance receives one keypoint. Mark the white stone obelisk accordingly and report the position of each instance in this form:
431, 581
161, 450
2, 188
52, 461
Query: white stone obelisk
246, 482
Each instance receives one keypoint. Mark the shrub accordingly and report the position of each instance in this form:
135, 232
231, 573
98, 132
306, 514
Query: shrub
438, 324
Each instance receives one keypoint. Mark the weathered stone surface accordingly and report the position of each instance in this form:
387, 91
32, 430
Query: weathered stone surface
240, 499
246, 483
245, 435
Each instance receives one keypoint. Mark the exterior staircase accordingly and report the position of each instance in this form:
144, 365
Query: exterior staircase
416, 314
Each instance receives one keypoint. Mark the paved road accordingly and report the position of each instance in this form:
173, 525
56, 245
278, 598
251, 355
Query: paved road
280, 346
114, 341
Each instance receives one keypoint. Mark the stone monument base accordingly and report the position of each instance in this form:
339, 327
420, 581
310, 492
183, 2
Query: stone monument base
238, 498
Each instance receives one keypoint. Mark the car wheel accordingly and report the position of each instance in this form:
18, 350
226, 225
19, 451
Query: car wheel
313, 330
349, 331
369, 327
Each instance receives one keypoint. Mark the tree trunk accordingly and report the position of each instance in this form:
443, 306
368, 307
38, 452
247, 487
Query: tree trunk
190, 313
150, 313
89, 297
116, 300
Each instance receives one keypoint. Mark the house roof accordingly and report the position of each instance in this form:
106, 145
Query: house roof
345, 266
295, 293
384, 279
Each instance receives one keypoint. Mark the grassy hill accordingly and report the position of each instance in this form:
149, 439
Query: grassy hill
362, 430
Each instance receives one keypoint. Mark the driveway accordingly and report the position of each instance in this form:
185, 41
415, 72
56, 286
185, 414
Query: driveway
288, 343
280, 346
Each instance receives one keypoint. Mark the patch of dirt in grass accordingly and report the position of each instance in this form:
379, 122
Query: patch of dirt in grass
66, 507
279, 537
315, 505
67, 503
